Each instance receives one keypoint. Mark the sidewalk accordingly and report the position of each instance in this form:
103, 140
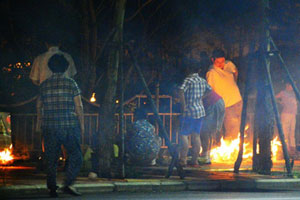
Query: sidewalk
20, 181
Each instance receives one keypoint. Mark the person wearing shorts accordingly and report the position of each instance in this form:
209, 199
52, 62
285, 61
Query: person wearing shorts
191, 92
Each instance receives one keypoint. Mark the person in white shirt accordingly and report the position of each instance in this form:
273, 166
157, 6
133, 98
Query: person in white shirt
287, 99
40, 70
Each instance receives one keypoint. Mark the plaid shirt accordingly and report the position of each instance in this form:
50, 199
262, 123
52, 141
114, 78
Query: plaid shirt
194, 88
57, 96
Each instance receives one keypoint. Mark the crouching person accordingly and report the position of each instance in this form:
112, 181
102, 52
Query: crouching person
60, 117
143, 144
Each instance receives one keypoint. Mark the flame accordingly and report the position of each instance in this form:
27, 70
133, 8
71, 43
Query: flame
6, 156
93, 98
275, 144
228, 150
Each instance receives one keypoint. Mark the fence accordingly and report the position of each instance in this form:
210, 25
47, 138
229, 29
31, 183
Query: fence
26, 140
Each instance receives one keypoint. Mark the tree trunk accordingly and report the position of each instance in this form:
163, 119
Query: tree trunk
264, 113
263, 128
107, 110
88, 48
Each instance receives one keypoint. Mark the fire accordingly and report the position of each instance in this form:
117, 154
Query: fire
6, 156
228, 150
275, 144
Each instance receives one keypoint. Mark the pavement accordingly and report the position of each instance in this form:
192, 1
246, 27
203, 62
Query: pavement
21, 181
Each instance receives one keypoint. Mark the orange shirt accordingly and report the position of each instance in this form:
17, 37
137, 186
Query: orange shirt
223, 83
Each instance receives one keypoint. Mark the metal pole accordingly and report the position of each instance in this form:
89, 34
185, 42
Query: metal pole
122, 132
283, 65
278, 122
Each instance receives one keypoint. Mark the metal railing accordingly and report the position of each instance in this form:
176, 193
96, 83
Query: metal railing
25, 138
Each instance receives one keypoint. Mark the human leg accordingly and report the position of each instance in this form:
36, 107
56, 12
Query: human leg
72, 145
288, 122
52, 151
232, 120
292, 131
195, 148
184, 147
285, 127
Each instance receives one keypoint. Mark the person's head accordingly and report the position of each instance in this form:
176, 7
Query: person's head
190, 65
52, 40
58, 64
218, 58
140, 114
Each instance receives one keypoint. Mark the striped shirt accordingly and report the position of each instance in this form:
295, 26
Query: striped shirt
194, 88
57, 96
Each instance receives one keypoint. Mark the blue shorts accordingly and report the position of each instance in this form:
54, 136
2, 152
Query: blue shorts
189, 125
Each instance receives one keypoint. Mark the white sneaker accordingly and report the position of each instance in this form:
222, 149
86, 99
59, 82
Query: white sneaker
92, 175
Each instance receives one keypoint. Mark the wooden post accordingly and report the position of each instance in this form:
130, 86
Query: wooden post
244, 111
277, 117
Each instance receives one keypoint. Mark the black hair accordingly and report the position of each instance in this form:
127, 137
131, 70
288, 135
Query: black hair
58, 64
140, 114
191, 65
218, 53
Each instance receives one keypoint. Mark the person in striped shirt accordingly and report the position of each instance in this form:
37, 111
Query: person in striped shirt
191, 92
60, 116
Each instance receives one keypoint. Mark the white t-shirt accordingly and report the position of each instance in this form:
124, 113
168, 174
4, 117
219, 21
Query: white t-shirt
40, 70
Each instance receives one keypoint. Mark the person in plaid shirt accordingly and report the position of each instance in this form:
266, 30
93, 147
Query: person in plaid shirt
60, 116
191, 92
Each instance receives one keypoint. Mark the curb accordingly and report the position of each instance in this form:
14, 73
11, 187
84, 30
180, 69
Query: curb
158, 186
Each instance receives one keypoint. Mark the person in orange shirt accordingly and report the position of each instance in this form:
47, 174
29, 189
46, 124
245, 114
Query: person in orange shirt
224, 84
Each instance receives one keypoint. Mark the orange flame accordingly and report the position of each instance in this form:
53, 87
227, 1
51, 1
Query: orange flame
228, 151
275, 144
6, 156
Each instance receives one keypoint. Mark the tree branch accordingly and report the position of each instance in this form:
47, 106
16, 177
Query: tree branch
138, 11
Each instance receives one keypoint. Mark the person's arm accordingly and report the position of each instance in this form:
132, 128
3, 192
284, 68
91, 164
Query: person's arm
79, 111
210, 79
39, 115
279, 97
35, 71
235, 74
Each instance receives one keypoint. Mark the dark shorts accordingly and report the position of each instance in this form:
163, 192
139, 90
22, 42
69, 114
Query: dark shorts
190, 125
